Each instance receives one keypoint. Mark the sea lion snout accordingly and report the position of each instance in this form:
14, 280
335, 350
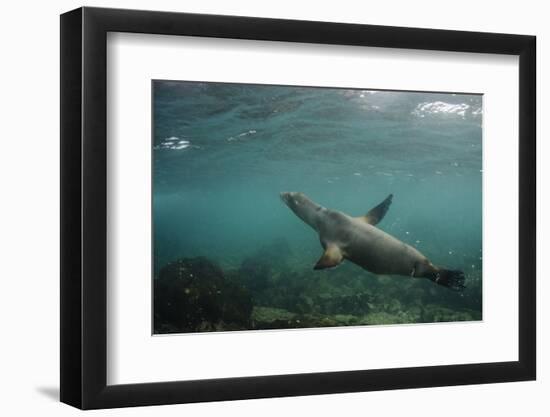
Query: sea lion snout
284, 196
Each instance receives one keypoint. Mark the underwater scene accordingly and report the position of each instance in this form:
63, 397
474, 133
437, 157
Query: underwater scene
279, 207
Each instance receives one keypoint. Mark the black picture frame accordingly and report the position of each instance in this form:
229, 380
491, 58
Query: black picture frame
84, 207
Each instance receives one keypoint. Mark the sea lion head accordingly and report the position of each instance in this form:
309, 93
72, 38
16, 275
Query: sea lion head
302, 206
297, 201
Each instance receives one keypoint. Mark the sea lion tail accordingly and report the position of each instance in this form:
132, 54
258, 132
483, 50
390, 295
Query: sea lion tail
452, 279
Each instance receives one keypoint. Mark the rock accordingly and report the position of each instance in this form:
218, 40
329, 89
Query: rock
436, 313
269, 314
192, 295
382, 317
278, 318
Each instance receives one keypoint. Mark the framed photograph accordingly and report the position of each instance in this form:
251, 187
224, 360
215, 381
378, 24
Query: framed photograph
256, 208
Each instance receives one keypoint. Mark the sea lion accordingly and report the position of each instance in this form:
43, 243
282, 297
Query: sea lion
358, 240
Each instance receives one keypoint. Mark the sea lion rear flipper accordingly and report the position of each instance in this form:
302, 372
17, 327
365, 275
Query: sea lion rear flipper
376, 214
331, 258
449, 278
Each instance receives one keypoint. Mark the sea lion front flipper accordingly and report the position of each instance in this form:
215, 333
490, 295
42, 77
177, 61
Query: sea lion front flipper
376, 214
331, 258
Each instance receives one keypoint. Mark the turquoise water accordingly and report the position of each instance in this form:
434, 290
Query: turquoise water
222, 153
